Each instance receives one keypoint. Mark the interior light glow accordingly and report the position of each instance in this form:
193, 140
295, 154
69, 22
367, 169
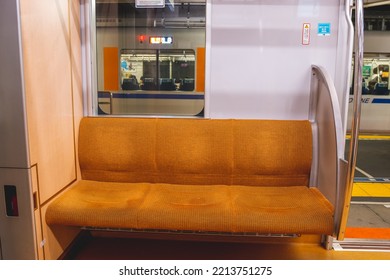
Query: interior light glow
163, 40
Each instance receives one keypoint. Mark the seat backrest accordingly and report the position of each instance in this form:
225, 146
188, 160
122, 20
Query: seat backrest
381, 89
196, 151
167, 84
130, 84
148, 84
187, 85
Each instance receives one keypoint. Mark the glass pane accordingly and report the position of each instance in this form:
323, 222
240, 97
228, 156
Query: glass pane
150, 61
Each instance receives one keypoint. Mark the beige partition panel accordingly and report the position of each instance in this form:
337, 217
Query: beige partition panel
51, 44
48, 83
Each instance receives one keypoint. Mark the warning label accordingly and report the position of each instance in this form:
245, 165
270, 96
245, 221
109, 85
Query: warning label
306, 34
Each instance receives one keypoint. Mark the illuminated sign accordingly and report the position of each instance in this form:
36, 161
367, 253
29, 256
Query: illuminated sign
160, 40
149, 3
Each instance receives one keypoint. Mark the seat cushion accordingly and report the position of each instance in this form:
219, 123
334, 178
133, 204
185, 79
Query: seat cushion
98, 204
281, 210
205, 208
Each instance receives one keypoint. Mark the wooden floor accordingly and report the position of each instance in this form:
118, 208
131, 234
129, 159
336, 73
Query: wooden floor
112, 248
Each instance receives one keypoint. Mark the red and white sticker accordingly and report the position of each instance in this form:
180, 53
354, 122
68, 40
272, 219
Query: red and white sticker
306, 34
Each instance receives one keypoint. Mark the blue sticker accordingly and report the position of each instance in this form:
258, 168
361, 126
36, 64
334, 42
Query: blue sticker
323, 29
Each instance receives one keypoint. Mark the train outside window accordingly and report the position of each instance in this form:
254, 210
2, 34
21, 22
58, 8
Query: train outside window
375, 74
164, 70
150, 58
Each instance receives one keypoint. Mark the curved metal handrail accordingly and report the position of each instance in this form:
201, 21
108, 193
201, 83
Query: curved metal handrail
328, 141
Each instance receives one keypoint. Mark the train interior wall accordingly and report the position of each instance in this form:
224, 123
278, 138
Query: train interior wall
54, 82
257, 47
243, 56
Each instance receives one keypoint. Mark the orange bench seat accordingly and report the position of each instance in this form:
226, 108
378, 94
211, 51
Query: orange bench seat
200, 175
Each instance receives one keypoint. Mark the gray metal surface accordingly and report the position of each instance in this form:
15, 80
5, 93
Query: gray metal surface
328, 144
17, 233
13, 133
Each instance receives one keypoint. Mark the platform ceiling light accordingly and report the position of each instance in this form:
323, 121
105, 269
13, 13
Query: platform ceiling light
150, 3
180, 23
375, 4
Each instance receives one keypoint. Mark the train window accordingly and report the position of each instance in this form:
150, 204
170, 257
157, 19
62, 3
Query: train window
375, 74
164, 70
150, 59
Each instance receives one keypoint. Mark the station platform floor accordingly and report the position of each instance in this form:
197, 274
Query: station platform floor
369, 216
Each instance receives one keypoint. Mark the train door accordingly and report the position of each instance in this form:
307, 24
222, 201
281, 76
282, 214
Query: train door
368, 224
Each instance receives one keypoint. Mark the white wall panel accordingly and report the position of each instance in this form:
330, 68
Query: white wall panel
258, 66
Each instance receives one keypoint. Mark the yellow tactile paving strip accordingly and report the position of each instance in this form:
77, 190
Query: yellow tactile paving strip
371, 137
371, 189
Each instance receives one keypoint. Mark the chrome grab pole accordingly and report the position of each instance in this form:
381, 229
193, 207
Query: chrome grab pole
353, 147
111, 99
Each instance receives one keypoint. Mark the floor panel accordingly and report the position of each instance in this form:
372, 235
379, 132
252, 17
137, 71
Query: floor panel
99, 248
